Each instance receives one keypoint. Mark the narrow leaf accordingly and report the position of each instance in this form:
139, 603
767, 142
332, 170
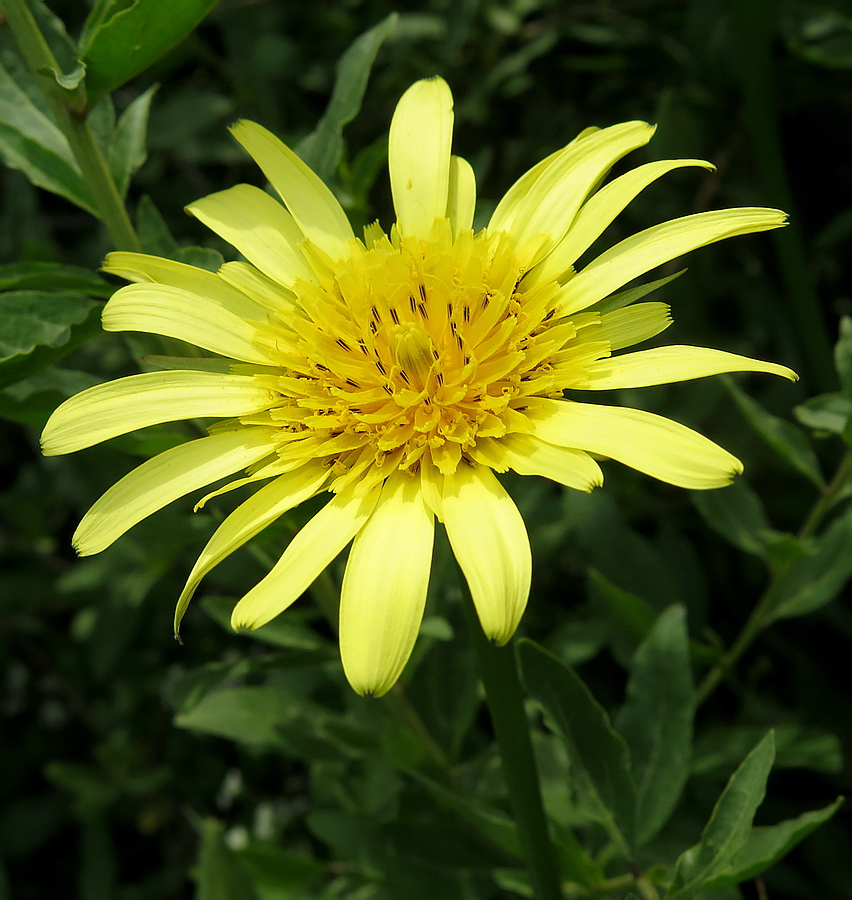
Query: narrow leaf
730, 823
46, 276
131, 39
766, 845
322, 149
656, 721
827, 412
814, 580
737, 514
594, 745
843, 355
787, 440
32, 143
127, 150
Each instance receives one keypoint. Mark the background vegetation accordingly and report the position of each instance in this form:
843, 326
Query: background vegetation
233, 767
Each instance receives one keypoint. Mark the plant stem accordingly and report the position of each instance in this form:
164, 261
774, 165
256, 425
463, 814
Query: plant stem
763, 613
498, 667
38, 56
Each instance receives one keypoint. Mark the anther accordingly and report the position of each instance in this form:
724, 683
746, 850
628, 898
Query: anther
394, 316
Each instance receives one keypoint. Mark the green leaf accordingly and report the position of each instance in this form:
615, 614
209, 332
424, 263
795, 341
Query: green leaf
247, 715
816, 579
154, 234
787, 440
594, 745
127, 150
322, 149
278, 873
31, 143
625, 298
126, 41
70, 71
730, 823
47, 276
737, 514
656, 721
843, 355
828, 412
32, 400
43, 321
766, 845
220, 876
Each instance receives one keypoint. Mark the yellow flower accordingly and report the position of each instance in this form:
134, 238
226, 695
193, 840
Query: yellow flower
400, 372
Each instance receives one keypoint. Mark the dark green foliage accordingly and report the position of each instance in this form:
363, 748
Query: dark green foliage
667, 634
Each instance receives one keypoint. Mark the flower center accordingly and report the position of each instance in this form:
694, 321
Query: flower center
409, 352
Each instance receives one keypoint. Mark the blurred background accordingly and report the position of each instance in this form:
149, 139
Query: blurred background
132, 767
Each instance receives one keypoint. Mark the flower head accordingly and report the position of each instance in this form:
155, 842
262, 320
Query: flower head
401, 371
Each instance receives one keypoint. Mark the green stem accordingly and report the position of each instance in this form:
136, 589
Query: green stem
763, 614
109, 206
498, 668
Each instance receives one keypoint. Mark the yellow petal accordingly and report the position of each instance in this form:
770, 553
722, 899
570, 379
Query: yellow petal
249, 519
598, 212
166, 477
172, 312
461, 199
555, 197
310, 551
633, 324
527, 455
117, 407
259, 227
652, 444
384, 587
649, 248
421, 134
140, 267
512, 201
309, 200
490, 542
665, 365
262, 289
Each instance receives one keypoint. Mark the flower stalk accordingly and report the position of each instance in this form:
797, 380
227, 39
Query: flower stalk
498, 668
38, 56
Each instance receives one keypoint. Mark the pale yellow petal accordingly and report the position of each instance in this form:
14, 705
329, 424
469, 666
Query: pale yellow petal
141, 267
306, 195
504, 214
527, 455
117, 407
249, 519
173, 312
310, 551
166, 477
421, 134
650, 248
384, 587
554, 198
632, 325
490, 542
598, 212
664, 365
650, 443
262, 289
461, 199
259, 227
